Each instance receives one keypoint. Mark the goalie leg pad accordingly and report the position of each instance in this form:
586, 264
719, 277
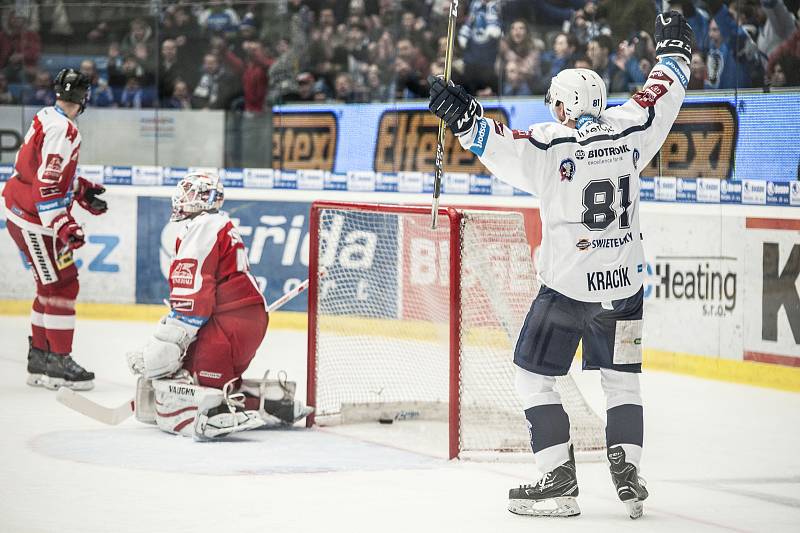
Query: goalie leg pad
176, 404
200, 412
274, 399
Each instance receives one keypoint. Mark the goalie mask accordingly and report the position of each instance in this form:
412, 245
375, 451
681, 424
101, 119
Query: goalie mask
197, 192
582, 92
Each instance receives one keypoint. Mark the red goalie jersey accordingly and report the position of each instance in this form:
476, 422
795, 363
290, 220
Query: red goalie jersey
215, 299
210, 273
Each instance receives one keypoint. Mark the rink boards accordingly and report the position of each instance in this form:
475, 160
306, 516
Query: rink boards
722, 286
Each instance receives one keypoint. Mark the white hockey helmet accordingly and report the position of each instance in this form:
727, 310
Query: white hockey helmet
195, 193
581, 90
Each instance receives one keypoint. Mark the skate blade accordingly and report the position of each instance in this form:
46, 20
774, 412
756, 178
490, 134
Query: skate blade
635, 508
52, 383
36, 380
562, 507
74, 385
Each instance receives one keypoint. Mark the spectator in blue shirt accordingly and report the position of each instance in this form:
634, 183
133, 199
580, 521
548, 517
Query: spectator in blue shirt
133, 95
725, 71
100, 94
479, 37
557, 59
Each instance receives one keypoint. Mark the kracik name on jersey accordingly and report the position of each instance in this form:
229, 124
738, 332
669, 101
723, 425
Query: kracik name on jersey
603, 280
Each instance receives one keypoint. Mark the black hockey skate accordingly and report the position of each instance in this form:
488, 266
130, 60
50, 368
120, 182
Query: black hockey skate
630, 487
553, 495
37, 365
63, 371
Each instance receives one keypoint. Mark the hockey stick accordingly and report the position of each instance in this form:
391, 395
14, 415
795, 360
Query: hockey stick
292, 294
113, 416
438, 167
83, 405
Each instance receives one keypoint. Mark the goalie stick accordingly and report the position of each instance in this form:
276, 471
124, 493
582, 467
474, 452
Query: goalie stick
438, 166
113, 416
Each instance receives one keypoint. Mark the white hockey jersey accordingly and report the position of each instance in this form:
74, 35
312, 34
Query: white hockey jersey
588, 182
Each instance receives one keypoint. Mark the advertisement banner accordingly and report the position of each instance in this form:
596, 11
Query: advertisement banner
304, 140
275, 233
772, 291
700, 145
406, 141
106, 263
361, 251
693, 288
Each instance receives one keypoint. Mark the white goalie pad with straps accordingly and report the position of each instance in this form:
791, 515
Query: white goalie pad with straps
276, 403
203, 413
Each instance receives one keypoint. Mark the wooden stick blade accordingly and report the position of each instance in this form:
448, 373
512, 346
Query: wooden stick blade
111, 416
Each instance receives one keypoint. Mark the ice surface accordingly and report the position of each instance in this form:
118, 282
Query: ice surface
717, 457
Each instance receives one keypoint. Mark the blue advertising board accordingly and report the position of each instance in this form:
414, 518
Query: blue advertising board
275, 233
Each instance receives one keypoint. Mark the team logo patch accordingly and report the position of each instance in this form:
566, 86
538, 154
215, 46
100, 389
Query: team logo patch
567, 169
52, 169
583, 244
181, 304
182, 273
635, 158
649, 96
579, 154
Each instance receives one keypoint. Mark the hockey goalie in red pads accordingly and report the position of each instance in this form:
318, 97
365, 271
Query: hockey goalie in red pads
38, 203
190, 370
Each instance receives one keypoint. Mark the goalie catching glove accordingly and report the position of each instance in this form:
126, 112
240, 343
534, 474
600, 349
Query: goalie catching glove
454, 105
163, 355
674, 36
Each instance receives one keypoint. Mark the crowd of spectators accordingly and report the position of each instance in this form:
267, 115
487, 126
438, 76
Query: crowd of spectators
252, 53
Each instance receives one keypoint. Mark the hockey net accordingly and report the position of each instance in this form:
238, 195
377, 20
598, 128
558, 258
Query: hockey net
409, 322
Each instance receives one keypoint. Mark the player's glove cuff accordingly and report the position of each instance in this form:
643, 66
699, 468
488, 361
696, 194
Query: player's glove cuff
673, 36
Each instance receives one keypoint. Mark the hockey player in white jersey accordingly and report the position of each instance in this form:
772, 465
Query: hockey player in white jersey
585, 171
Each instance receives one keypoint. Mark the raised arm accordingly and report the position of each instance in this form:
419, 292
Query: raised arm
654, 108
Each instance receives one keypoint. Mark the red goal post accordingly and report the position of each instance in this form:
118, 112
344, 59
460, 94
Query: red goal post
453, 216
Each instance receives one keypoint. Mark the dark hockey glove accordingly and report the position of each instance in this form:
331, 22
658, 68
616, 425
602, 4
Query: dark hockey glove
68, 231
87, 195
455, 106
674, 36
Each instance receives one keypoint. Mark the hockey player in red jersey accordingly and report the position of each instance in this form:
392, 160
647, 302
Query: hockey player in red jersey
38, 204
194, 362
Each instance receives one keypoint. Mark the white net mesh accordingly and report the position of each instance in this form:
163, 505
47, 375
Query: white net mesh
384, 322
